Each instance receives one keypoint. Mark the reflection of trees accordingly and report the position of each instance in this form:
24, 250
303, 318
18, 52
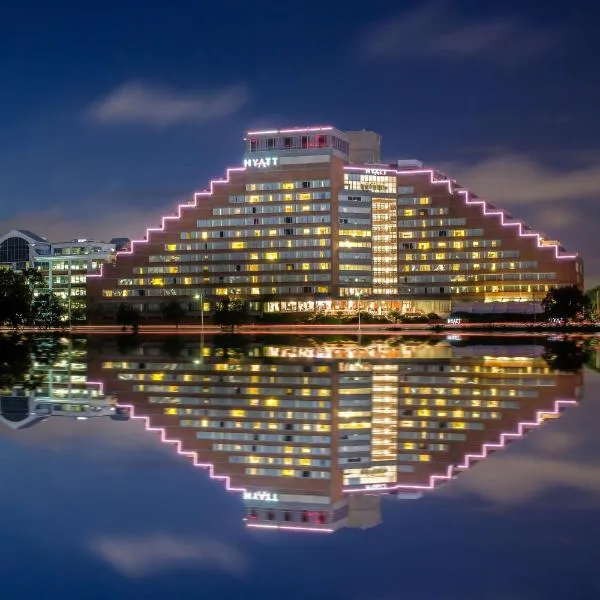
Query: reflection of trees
19, 354
15, 361
566, 355
127, 344
173, 346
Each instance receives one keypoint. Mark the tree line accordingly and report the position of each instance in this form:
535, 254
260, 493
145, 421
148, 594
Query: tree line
24, 301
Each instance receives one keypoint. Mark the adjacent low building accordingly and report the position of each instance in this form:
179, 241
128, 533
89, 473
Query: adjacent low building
314, 220
63, 265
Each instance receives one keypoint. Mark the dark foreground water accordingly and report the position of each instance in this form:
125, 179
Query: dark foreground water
96, 506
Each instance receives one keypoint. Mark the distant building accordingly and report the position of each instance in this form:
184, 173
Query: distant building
64, 265
19, 248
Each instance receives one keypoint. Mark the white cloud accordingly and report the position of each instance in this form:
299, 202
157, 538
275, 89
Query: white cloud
519, 179
557, 456
98, 221
145, 555
517, 480
432, 30
136, 102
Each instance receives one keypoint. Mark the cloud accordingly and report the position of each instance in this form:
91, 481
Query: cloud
557, 457
146, 555
136, 102
100, 221
518, 480
519, 179
432, 31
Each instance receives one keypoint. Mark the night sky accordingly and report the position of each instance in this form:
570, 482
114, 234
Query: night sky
113, 111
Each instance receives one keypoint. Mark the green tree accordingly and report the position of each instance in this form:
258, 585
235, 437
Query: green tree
128, 316
47, 311
34, 279
173, 312
565, 303
15, 298
231, 313
593, 296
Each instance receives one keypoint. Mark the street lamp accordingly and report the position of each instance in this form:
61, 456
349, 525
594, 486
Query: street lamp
200, 297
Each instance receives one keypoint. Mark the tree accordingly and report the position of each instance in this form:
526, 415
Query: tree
173, 312
15, 298
231, 313
128, 316
47, 311
593, 296
34, 279
565, 303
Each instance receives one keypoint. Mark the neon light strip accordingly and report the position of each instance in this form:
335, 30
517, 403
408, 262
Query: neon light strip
177, 443
435, 480
293, 130
289, 528
470, 202
176, 217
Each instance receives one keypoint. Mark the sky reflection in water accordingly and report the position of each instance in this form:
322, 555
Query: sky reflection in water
100, 508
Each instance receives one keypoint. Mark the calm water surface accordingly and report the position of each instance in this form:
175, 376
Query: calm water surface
374, 469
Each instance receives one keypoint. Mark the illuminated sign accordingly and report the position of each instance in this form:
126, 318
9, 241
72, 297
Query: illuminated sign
375, 486
261, 163
375, 171
263, 496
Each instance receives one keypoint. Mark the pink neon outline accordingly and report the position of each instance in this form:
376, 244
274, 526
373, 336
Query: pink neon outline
435, 480
488, 213
176, 217
291, 130
289, 528
189, 454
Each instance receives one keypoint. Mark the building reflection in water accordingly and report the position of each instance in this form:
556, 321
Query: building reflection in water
51, 382
312, 434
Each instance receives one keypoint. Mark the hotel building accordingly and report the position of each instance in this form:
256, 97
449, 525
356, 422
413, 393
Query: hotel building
309, 432
313, 219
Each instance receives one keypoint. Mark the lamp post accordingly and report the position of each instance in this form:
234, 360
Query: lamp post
200, 297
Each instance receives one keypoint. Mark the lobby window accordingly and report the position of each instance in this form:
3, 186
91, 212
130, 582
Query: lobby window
253, 145
270, 143
288, 143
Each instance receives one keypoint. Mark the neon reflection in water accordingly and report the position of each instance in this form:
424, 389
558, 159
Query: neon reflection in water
312, 434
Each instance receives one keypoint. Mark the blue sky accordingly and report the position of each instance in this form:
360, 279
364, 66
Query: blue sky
114, 111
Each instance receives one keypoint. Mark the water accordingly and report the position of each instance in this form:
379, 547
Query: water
97, 505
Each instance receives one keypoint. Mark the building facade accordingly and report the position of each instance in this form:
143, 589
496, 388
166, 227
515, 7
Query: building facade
303, 430
300, 227
64, 266
65, 269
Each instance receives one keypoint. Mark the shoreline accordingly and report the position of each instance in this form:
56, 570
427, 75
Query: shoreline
299, 329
